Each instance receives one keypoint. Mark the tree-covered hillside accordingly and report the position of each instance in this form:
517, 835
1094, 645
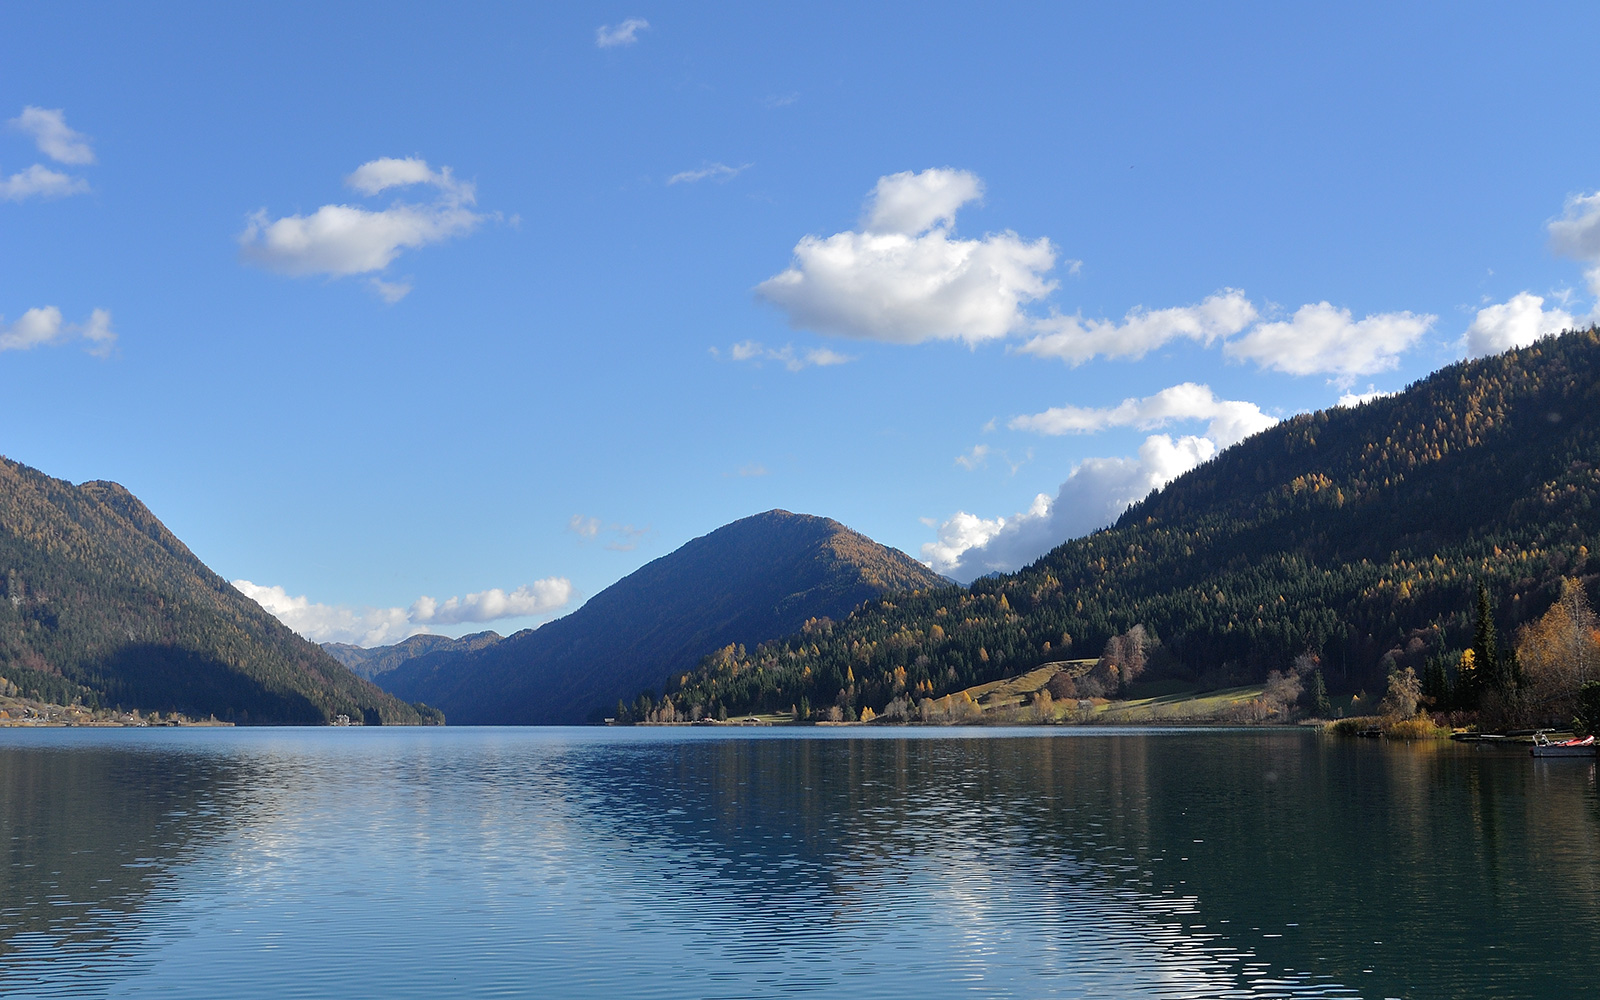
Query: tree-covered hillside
100, 603
759, 577
1353, 534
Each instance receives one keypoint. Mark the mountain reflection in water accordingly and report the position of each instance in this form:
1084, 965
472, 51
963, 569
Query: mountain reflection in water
696, 863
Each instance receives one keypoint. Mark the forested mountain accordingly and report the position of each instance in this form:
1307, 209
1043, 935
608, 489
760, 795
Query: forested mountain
370, 663
99, 602
751, 580
1354, 534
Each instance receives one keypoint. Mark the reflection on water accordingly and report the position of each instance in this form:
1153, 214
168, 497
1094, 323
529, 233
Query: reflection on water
692, 863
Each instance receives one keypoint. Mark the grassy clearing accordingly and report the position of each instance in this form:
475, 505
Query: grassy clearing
1181, 706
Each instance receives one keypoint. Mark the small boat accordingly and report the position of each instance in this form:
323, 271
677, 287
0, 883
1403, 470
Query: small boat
1542, 747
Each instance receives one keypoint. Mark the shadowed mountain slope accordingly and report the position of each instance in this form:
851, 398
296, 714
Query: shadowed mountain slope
751, 580
1355, 534
100, 602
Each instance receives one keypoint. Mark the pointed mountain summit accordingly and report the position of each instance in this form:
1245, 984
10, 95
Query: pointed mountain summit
755, 579
100, 603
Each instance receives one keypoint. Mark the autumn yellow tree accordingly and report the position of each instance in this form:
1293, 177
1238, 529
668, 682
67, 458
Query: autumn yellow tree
1559, 653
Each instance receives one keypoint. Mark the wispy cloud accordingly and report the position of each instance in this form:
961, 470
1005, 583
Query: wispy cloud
50, 133
55, 139
977, 457
43, 326
623, 537
377, 626
40, 182
757, 353
626, 33
342, 240
710, 171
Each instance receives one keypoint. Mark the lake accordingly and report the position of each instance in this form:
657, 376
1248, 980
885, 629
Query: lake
696, 863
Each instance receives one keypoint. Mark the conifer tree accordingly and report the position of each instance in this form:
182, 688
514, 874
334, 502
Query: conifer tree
1320, 706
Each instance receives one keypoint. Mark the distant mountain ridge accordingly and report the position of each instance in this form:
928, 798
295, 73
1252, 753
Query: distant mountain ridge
1355, 534
101, 603
370, 663
759, 577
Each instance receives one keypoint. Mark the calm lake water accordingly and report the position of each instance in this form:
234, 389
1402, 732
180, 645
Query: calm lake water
695, 863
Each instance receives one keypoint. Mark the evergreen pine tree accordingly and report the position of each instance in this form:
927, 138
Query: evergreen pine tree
1486, 658
1320, 706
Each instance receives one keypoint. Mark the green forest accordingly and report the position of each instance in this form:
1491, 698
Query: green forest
1357, 537
102, 606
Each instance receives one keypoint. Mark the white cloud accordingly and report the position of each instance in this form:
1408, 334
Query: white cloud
978, 456
538, 598
625, 536
339, 240
1231, 420
904, 279
379, 626
41, 182
1514, 323
39, 327
757, 353
1577, 234
626, 33
1076, 340
1099, 489
54, 139
753, 470
1092, 497
390, 291
1322, 339
1352, 399
377, 176
909, 203
713, 171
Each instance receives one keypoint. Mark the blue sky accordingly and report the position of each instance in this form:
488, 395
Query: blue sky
447, 317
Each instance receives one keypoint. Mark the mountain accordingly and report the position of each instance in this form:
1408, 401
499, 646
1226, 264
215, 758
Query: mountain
751, 580
371, 663
1357, 535
101, 603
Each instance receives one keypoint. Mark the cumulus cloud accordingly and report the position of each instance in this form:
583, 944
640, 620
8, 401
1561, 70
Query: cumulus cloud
626, 33
50, 133
756, 353
1096, 492
1514, 323
379, 626
711, 171
1231, 420
1076, 340
1360, 398
43, 326
1323, 339
538, 598
904, 278
341, 240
